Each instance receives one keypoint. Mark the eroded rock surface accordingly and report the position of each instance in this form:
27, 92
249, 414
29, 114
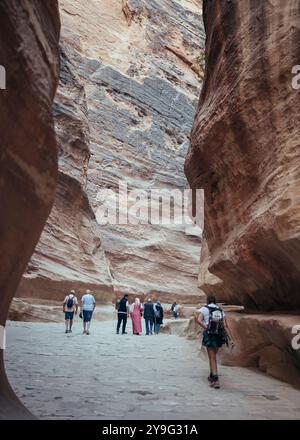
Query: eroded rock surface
265, 342
69, 253
129, 85
29, 34
245, 154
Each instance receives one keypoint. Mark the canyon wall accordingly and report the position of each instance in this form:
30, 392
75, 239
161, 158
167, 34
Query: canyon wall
130, 80
245, 154
69, 253
29, 36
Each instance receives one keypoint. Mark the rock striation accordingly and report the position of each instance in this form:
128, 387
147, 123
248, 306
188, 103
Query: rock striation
129, 82
245, 154
69, 252
29, 36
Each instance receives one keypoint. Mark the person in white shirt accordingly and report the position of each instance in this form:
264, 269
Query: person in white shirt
216, 332
88, 305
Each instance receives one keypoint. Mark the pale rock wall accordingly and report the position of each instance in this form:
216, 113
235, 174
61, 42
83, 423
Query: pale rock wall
124, 110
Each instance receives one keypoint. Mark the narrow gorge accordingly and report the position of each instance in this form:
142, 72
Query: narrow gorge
106, 92
129, 85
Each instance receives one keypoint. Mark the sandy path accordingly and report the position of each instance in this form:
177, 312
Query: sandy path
109, 376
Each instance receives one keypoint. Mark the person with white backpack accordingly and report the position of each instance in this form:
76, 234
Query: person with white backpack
70, 306
216, 333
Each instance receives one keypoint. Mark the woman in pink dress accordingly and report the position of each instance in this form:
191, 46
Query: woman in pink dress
135, 314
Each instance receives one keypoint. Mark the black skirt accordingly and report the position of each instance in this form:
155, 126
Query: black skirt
212, 341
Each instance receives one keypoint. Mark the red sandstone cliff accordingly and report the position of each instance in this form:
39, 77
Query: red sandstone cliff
245, 153
29, 34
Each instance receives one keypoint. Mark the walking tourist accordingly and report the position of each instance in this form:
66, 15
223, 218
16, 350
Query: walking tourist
216, 333
88, 305
136, 317
149, 316
158, 316
123, 314
175, 310
70, 306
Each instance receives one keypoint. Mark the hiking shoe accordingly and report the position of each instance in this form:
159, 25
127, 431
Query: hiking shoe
216, 384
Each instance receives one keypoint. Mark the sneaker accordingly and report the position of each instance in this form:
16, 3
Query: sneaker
67, 331
216, 384
210, 378
87, 332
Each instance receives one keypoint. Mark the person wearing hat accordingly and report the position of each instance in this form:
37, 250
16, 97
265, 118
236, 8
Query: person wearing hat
70, 306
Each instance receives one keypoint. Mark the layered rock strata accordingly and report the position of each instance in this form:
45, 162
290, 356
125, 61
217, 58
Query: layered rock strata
124, 110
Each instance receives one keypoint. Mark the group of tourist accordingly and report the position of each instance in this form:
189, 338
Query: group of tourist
152, 312
210, 317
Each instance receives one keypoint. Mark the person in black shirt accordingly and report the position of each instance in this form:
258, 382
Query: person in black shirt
123, 314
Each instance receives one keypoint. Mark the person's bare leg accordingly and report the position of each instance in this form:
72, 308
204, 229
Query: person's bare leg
67, 325
209, 359
88, 324
215, 367
84, 327
70, 325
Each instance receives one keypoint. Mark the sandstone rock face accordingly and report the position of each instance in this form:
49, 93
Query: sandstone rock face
129, 84
245, 154
69, 253
29, 35
265, 342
